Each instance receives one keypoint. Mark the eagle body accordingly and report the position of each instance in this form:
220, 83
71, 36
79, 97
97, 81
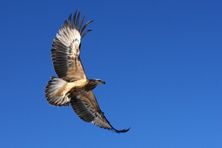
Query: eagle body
72, 87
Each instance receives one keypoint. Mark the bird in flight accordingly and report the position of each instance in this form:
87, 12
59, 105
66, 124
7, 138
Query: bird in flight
72, 87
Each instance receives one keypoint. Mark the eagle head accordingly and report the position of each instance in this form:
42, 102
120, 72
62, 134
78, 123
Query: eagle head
92, 83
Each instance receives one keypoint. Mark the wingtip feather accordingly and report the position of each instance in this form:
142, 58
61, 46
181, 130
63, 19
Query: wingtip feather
79, 23
121, 131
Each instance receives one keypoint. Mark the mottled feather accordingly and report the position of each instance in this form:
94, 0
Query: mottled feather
86, 107
66, 49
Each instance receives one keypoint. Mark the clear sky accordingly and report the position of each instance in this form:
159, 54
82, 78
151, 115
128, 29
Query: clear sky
161, 61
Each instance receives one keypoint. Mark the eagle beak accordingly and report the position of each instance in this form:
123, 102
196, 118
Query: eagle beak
102, 82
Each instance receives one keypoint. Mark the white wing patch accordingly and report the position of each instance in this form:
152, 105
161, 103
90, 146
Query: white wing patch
70, 37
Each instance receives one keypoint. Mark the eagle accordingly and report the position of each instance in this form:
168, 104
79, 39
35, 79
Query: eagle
72, 87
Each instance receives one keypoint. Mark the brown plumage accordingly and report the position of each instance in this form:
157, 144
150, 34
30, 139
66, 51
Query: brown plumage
72, 86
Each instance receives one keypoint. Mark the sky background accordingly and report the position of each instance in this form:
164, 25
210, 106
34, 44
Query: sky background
161, 61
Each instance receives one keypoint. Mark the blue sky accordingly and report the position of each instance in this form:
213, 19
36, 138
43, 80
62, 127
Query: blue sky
161, 61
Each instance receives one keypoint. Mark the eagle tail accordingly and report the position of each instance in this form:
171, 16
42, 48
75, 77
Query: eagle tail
54, 92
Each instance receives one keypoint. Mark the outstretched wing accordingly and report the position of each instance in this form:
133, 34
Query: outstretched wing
66, 48
86, 107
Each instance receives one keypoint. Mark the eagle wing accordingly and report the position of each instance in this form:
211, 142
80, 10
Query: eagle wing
66, 48
86, 107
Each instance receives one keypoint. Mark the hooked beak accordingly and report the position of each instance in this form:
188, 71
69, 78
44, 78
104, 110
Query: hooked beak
101, 82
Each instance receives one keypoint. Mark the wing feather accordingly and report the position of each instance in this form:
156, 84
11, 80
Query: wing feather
66, 49
86, 107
